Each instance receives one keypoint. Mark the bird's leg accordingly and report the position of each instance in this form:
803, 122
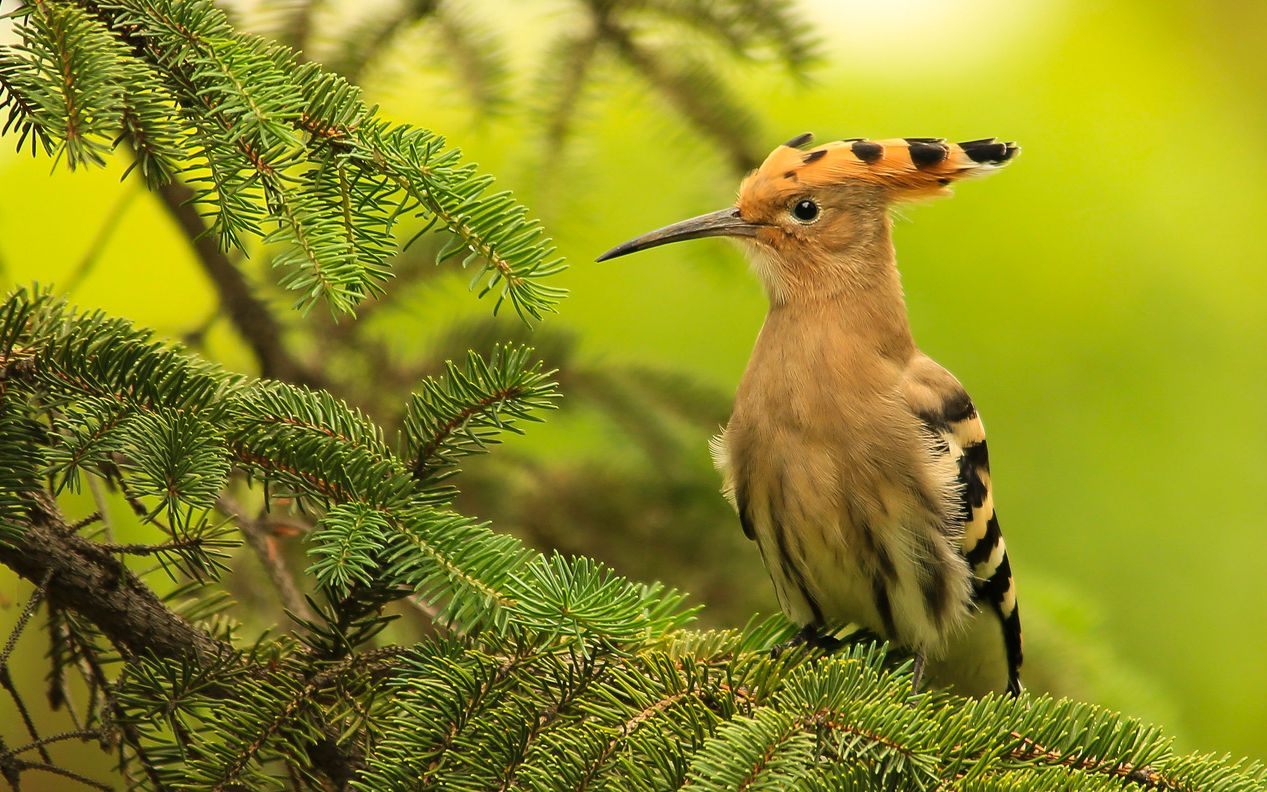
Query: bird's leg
810, 636
918, 673
805, 635
827, 642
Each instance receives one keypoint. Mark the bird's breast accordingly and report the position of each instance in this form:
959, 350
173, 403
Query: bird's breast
833, 479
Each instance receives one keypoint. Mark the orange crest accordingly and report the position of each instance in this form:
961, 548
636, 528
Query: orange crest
904, 168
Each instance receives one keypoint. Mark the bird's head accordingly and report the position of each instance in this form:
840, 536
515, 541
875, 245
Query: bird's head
816, 221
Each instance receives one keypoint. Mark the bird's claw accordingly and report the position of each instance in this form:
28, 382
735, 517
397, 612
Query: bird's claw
809, 636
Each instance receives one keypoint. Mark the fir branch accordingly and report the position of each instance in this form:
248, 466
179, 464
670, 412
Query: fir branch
155, 139
248, 100
63, 79
346, 548
246, 125
1030, 751
18, 94
464, 412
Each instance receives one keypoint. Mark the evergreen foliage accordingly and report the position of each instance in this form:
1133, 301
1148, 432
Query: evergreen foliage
549, 673
274, 149
541, 671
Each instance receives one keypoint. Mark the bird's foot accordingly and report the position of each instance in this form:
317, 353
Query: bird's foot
809, 636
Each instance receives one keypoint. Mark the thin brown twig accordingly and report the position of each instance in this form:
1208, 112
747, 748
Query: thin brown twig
148, 549
21, 766
6, 680
103, 509
28, 611
81, 524
99, 242
261, 544
74, 734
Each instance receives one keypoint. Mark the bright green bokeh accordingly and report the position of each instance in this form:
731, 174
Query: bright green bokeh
1104, 299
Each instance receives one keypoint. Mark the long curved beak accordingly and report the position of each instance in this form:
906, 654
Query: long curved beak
723, 222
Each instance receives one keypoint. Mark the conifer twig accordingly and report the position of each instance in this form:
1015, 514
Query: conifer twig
6, 680
256, 535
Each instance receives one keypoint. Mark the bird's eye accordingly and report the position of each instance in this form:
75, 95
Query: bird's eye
805, 210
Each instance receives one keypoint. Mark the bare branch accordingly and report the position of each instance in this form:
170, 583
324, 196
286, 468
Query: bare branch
95, 584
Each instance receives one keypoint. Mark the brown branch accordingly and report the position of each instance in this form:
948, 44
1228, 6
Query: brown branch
1145, 776
94, 583
248, 313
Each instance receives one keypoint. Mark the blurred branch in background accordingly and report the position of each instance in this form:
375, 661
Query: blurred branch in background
679, 49
665, 43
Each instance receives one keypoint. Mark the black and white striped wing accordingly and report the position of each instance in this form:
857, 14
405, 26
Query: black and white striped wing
960, 427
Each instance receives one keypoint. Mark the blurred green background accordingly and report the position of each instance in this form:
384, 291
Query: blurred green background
1104, 299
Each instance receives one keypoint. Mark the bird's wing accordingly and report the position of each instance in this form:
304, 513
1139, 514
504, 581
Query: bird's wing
956, 430
721, 460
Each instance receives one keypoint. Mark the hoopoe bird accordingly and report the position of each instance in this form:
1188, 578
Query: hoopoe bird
856, 462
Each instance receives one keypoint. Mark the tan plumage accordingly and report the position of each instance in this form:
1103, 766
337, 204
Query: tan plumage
857, 463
